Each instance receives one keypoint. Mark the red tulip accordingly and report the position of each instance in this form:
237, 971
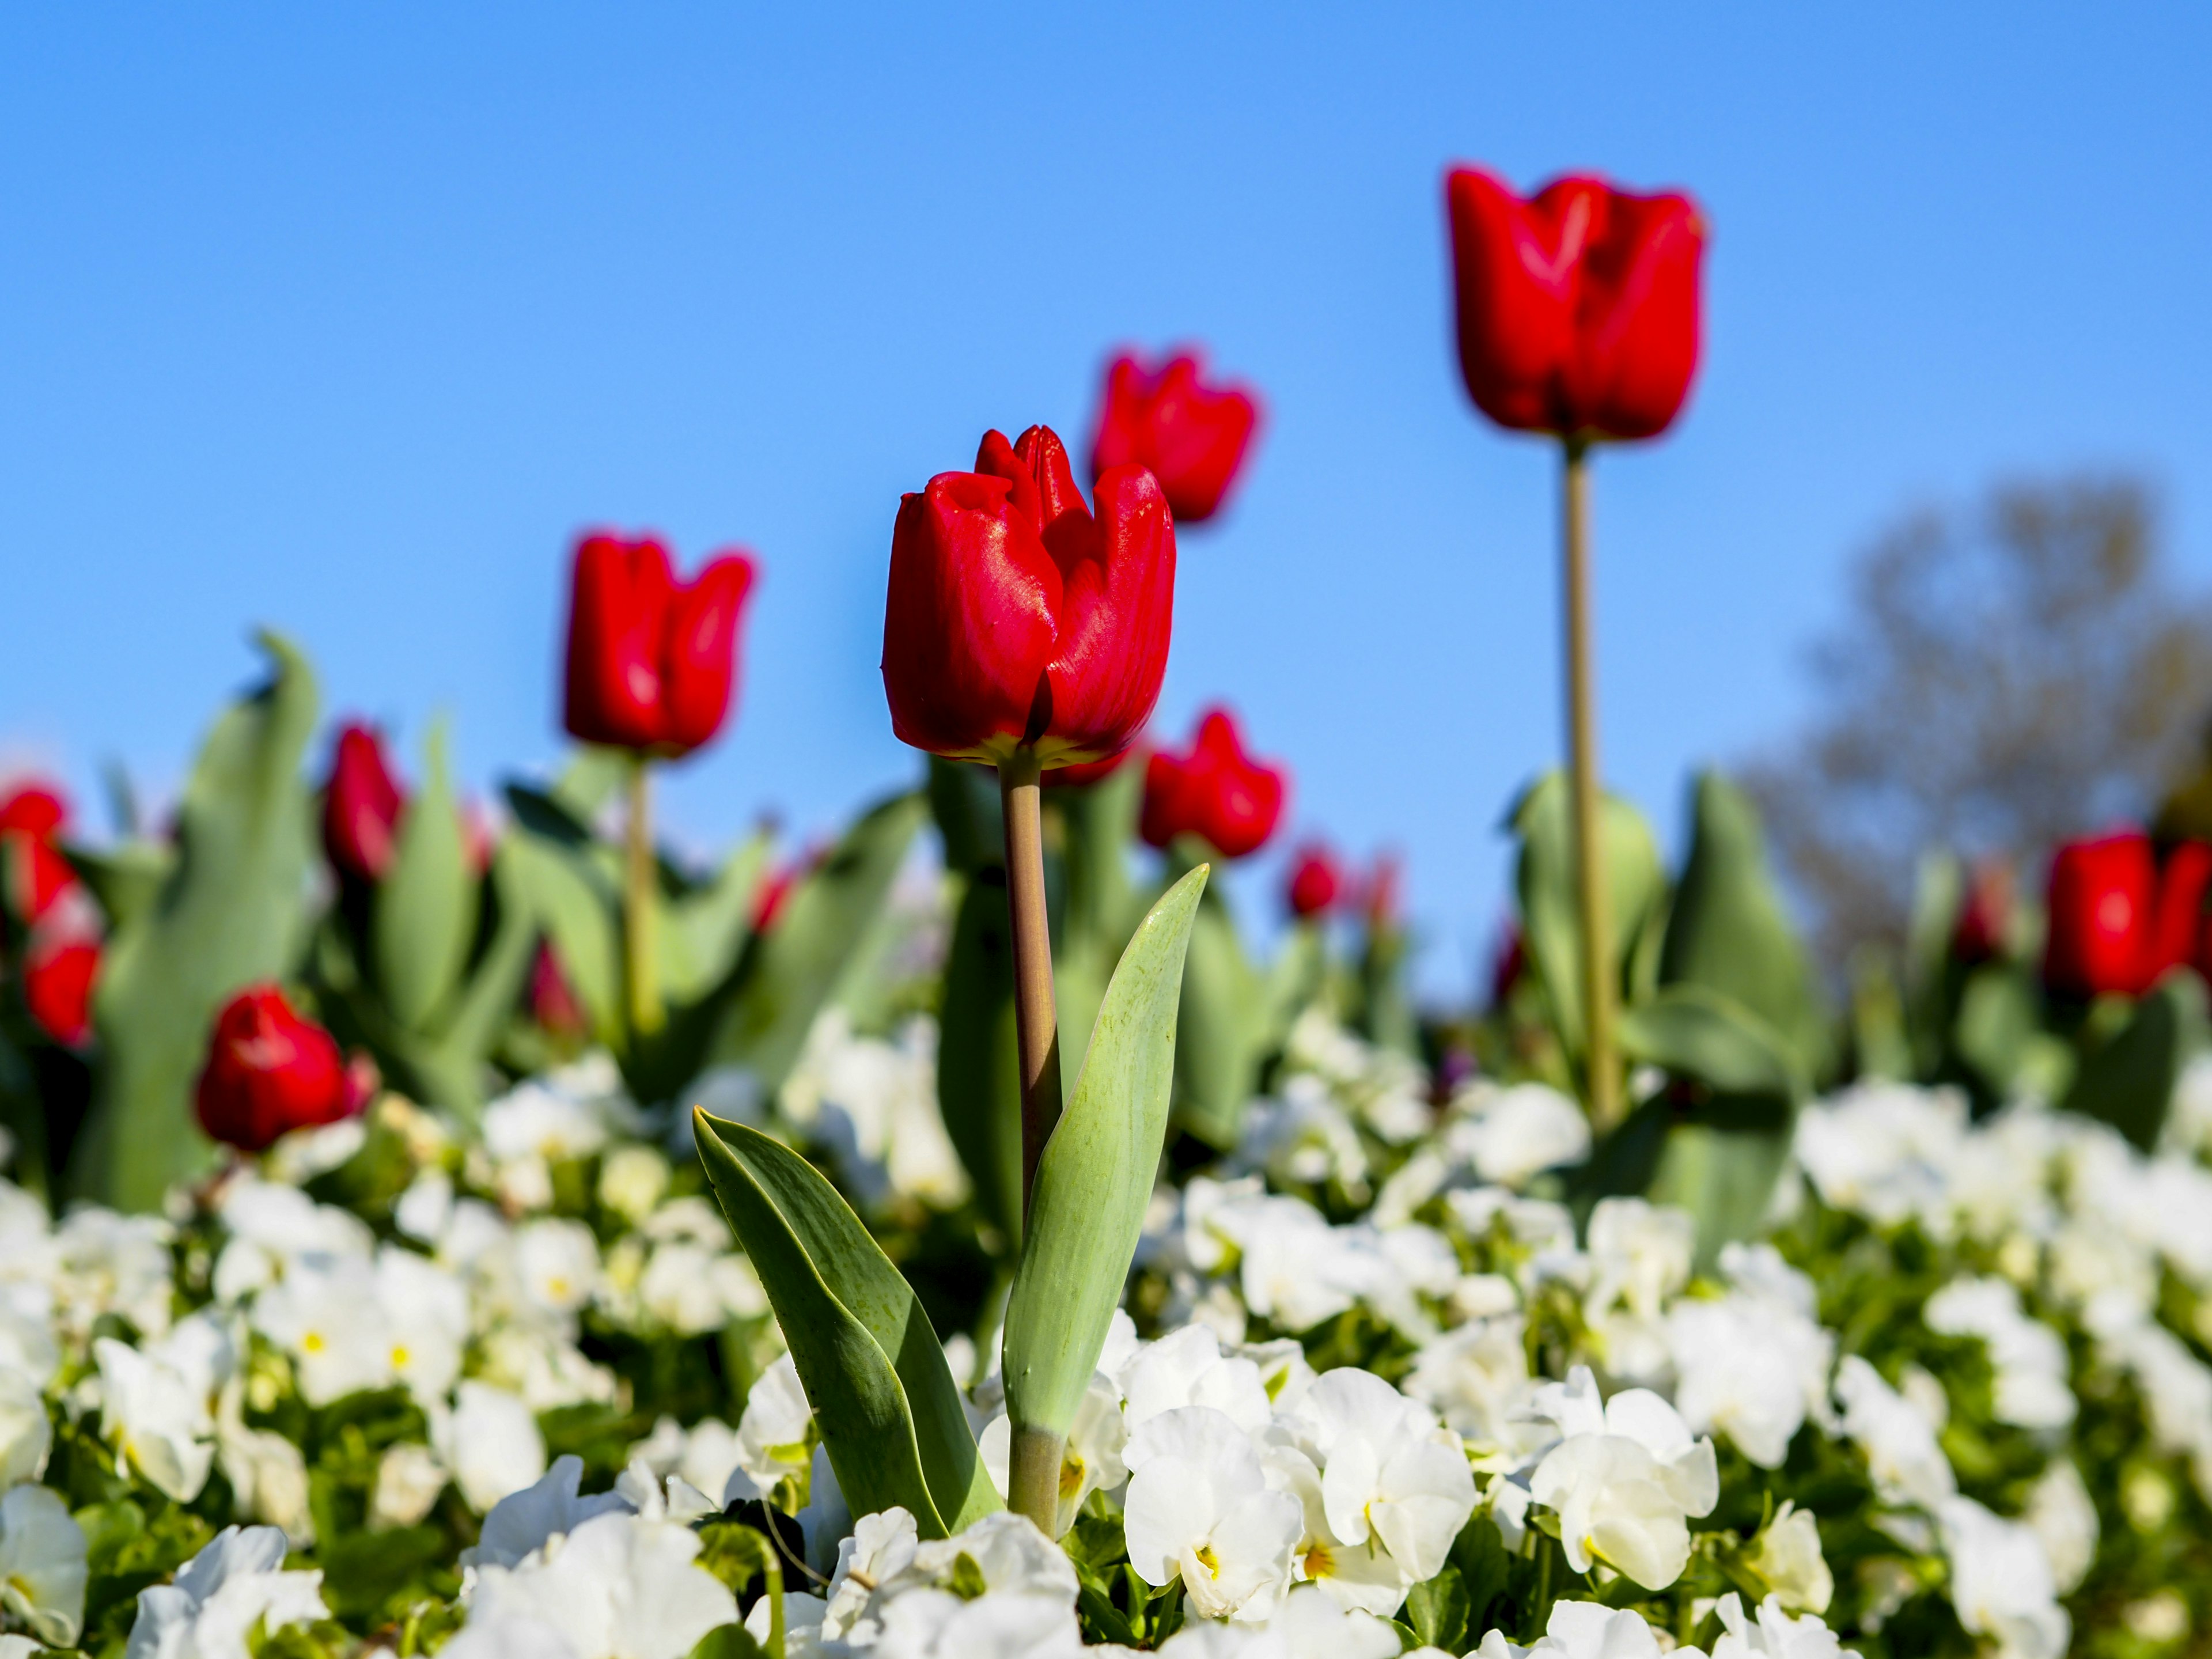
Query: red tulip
1019, 618
31, 821
652, 662
2176, 923
553, 1004
1314, 881
1190, 436
1379, 894
2116, 921
57, 989
361, 804
1217, 792
769, 901
269, 1072
1986, 913
1577, 307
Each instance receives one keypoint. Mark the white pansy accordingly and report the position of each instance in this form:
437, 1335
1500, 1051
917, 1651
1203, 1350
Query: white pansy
1884, 1150
1775, 1635
617, 1586
1388, 1468
326, 1315
156, 1418
1898, 1439
423, 1318
409, 1477
1584, 1630
1199, 1507
103, 1263
1477, 1378
523, 1521
220, 1597
2064, 1517
1751, 1365
1787, 1555
1188, 1368
425, 1210
2028, 1357
268, 1476
1309, 1627
1507, 1135
1090, 1460
556, 1263
26, 1433
775, 1435
535, 1120
42, 1565
1624, 1478
512, 1634
895, 1596
1303, 1138
2002, 1586
633, 1178
490, 1443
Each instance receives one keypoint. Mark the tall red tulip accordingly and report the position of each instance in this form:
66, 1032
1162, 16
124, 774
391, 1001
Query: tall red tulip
2117, 920
269, 1072
1577, 306
1021, 619
57, 981
652, 662
361, 804
1315, 881
1216, 792
37, 872
1189, 435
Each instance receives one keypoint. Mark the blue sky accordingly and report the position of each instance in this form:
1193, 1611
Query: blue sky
346, 318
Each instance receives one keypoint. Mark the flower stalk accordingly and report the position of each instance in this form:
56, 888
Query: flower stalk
1036, 1021
1602, 1065
1033, 1463
641, 969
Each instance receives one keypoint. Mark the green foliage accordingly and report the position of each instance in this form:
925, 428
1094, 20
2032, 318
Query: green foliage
1096, 1175
426, 904
1222, 1021
891, 1414
979, 1086
2128, 1081
228, 912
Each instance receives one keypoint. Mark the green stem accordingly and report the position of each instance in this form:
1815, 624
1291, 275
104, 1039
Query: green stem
639, 906
1601, 1064
774, 1570
1036, 1021
1033, 1460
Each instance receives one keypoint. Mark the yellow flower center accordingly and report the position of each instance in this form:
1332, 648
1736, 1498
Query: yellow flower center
1072, 1471
1319, 1563
312, 1343
1208, 1559
400, 1356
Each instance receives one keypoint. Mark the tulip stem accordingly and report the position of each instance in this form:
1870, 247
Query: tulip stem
1600, 1064
1033, 1460
1037, 1021
642, 967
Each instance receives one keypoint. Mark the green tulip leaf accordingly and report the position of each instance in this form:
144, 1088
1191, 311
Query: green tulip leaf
1096, 1175
124, 880
2128, 1082
572, 887
979, 1085
1551, 929
1704, 1033
1223, 1026
425, 913
890, 1413
1724, 1175
229, 912
704, 931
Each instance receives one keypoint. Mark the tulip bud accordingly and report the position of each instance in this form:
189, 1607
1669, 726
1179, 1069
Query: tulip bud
1314, 881
1018, 617
1188, 435
1578, 307
2100, 916
31, 859
57, 980
769, 901
361, 804
553, 1004
1216, 792
652, 662
269, 1072
1986, 913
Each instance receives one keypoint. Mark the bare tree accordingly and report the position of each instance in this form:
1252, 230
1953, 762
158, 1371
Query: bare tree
2007, 676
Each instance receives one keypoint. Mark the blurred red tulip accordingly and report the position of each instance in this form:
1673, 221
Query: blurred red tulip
57, 989
1379, 894
1216, 792
1986, 912
361, 804
1017, 618
1578, 307
2177, 922
652, 662
1189, 435
553, 1002
1315, 881
1507, 964
2116, 921
38, 875
769, 901
269, 1072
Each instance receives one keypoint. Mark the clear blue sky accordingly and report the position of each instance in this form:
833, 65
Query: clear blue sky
346, 319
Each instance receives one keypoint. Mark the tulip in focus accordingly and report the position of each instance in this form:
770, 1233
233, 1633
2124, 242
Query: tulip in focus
1577, 306
1314, 881
2117, 920
57, 982
1020, 619
1192, 437
37, 874
652, 662
361, 804
1216, 792
269, 1072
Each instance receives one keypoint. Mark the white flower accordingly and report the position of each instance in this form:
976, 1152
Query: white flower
490, 1442
1902, 1453
220, 1594
1507, 1135
514, 1634
2064, 1518
557, 1262
2029, 1358
1091, 1460
1584, 1630
326, 1315
1305, 1139
268, 1476
425, 1322
523, 1521
409, 1477
1388, 1468
103, 1262
537, 1120
1787, 1555
1477, 1377
1199, 1506
632, 1180
2001, 1581
42, 1565
1884, 1150
1776, 1636
26, 1433
890, 1593
1624, 1479
1309, 1627
618, 1586
1187, 1367
776, 1434
156, 1418
1750, 1366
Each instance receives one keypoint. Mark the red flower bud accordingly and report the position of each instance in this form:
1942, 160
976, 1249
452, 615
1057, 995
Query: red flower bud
1315, 881
652, 662
1577, 307
553, 1004
1380, 892
769, 901
38, 875
1217, 792
1018, 617
57, 989
1190, 436
2114, 924
361, 804
269, 1072
1985, 913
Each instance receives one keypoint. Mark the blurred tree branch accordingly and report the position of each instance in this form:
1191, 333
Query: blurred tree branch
2007, 676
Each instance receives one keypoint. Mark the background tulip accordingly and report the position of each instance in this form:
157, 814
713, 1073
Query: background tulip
269, 1072
38, 874
2117, 920
1216, 792
1189, 435
57, 980
361, 804
1315, 881
652, 662
1018, 618
1578, 307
